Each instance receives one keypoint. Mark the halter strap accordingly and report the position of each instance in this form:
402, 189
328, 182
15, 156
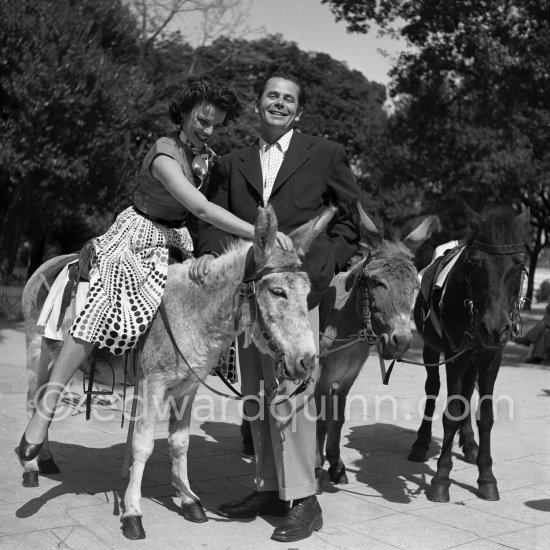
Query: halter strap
251, 273
498, 248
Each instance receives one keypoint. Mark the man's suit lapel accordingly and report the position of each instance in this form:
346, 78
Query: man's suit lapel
297, 153
251, 168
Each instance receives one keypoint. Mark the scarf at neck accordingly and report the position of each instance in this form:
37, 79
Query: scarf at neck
204, 158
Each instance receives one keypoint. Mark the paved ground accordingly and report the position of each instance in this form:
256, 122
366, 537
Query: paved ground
384, 506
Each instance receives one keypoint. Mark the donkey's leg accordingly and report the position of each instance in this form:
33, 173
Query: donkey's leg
466, 438
149, 396
337, 470
50, 352
38, 372
324, 408
451, 421
178, 441
420, 448
487, 483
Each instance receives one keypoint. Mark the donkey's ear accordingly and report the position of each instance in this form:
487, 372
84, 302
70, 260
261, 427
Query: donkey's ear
265, 233
473, 218
368, 231
303, 236
417, 236
351, 275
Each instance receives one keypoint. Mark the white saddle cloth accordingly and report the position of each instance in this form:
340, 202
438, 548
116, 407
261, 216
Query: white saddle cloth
49, 316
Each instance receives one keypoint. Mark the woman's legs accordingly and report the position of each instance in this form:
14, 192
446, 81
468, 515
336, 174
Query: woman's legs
72, 354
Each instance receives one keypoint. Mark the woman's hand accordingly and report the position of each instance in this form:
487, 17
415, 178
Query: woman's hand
284, 241
200, 268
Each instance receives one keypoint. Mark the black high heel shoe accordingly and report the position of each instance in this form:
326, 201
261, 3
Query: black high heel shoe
29, 451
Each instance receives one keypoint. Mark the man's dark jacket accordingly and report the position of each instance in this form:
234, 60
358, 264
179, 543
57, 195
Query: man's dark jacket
315, 173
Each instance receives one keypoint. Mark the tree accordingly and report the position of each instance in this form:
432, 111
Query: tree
71, 98
168, 20
477, 85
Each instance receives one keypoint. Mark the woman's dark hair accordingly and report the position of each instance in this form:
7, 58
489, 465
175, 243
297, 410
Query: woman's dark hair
287, 75
204, 89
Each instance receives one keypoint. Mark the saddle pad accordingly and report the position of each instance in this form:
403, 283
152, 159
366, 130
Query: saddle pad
445, 269
434, 278
47, 321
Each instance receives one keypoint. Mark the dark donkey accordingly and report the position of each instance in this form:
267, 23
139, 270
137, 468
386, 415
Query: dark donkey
470, 320
373, 299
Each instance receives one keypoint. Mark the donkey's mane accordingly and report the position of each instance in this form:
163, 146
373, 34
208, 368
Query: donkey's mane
497, 227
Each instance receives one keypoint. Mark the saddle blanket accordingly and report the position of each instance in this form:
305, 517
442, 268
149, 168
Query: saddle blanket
444, 273
49, 316
436, 274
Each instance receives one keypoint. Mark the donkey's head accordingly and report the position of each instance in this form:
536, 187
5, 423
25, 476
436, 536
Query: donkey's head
385, 281
492, 269
280, 324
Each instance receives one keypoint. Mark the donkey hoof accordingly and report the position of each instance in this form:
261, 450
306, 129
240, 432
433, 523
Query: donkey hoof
48, 467
319, 476
193, 511
418, 454
132, 528
439, 493
338, 474
30, 479
488, 491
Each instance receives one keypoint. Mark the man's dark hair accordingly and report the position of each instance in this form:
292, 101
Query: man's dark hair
287, 75
204, 89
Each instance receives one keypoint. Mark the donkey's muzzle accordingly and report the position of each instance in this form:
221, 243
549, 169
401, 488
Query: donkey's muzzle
304, 366
494, 338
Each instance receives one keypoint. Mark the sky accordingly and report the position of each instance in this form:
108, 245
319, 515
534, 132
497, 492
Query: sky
313, 27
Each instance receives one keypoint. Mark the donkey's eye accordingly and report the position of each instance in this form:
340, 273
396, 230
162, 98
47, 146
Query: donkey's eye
378, 283
276, 291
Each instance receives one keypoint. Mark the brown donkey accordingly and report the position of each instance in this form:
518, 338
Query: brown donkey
375, 297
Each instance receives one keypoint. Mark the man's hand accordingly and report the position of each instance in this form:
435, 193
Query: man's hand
284, 241
200, 267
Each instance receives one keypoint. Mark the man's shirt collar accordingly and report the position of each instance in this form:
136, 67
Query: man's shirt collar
282, 143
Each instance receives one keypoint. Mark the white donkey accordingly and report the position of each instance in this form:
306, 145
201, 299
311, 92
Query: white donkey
272, 306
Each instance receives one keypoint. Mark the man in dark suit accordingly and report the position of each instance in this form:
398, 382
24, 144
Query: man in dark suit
299, 175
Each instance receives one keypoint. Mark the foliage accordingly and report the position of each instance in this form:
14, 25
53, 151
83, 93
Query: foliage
475, 91
82, 99
71, 100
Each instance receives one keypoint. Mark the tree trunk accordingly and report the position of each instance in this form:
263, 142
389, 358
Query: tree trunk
533, 260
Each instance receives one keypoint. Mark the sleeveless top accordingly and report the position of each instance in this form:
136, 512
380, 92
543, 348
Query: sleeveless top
151, 196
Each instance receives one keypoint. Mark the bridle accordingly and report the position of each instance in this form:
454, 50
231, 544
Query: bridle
366, 334
246, 293
519, 300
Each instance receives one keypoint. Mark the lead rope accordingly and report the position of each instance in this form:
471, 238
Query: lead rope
162, 310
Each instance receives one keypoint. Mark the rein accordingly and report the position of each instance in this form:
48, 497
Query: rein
366, 334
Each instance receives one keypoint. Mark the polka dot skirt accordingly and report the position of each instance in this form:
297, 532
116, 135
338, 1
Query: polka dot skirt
127, 281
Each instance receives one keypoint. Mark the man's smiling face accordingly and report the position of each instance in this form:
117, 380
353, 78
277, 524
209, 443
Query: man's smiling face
278, 106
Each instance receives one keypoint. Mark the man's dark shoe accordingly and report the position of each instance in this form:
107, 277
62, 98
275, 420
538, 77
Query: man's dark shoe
266, 503
302, 519
531, 359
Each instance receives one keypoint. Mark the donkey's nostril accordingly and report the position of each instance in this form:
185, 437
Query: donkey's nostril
308, 363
